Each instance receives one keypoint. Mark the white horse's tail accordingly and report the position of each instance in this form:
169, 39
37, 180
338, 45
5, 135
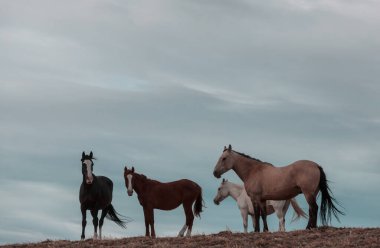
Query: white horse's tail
298, 212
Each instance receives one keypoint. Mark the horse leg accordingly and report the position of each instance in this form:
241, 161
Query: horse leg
253, 221
147, 218
244, 215
313, 211
257, 217
95, 221
182, 231
283, 212
84, 222
281, 222
281, 217
189, 218
263, 212
104, 213
152, 232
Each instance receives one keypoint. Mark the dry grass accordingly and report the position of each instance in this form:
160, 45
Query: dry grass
321, 237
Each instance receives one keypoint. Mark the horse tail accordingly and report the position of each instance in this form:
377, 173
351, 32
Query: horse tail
297, 209
116, 217
199, 204
327, 200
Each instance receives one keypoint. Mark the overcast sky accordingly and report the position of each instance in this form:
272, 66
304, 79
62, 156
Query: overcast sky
164, 85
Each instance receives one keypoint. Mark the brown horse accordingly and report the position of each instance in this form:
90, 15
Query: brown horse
263, 181
165, 196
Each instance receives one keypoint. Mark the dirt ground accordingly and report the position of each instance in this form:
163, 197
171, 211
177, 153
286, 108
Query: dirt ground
321, 237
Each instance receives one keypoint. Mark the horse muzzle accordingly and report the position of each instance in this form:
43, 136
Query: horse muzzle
216, 174
216, 202
130, 193
88, 181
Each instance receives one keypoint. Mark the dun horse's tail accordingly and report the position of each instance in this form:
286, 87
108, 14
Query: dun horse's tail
297, 210
327, 201
199, 204
116, 217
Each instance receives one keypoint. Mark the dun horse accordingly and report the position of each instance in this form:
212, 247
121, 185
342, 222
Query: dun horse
165, 196
263, 182
238, 193
96, 194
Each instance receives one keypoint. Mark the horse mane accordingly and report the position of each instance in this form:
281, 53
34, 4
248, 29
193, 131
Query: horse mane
145, 178
249, 157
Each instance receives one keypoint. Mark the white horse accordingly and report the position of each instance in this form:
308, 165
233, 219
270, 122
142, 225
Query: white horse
245, 204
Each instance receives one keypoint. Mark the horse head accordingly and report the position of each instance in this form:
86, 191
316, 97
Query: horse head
128, 177
87, 167
225, 162
222, 192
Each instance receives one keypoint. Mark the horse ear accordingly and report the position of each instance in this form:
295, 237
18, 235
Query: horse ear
83, 154
91, 154
125, 168
224, 180
229, 147
133, 169
225, 148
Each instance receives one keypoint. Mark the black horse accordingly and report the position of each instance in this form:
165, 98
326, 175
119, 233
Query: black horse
95, 194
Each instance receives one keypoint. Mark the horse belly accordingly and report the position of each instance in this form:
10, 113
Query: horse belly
167, 201
281, 193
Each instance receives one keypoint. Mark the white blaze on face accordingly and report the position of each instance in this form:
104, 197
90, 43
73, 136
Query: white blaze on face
130, 190
89, 178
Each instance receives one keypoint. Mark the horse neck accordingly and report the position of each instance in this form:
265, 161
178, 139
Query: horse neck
234, 190
243, 166
140, 184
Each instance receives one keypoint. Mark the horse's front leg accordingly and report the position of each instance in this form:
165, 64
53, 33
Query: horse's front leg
146, 218
256, 209
84, 222
244, 215
152, 232
95, 221
263, 212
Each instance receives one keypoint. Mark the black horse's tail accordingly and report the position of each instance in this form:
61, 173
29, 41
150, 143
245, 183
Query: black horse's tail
116, 217
199, 204
327, 200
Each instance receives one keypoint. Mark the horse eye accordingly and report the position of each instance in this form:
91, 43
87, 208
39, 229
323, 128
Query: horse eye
218, 189
223, 159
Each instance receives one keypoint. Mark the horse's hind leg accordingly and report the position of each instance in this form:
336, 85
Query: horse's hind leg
189, 217
182, 231
281, 220
95, 221
84, 222
313, 211
101, 221
281, 207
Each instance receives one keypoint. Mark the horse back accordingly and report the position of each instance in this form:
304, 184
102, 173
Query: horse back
170, 195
